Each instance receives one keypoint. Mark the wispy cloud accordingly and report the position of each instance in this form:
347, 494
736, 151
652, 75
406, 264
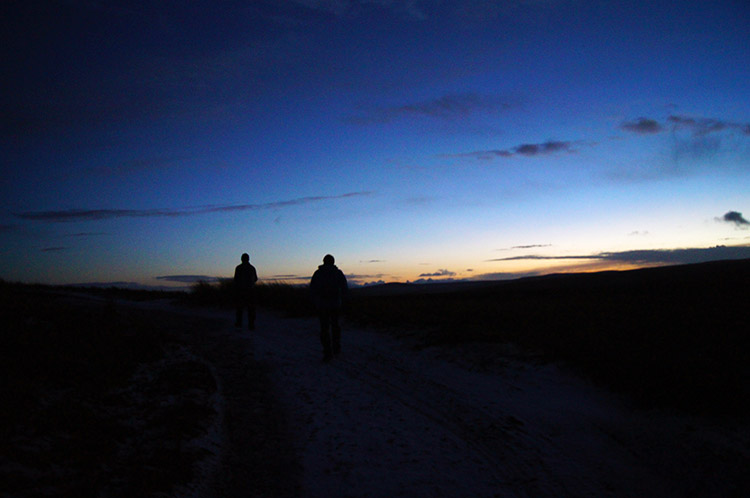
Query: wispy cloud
643, 126
530, 246
448, 107
83, 235
543, 148
187, 279
373, 261
463, 11
289, 277
124, 168
696, 139
524, 150
704, 126
537, 257
439, 273
693, 141
67, 215
697, 126
160, 79
354, 276
735, 218
649, 256
451, 106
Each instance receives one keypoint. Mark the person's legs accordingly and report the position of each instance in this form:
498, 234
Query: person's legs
238, 315
325, 334
335, 332
251, 313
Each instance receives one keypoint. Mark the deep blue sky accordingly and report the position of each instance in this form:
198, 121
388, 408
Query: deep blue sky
154, 142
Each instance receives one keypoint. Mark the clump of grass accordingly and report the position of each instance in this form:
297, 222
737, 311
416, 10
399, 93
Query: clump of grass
219, 294
293, 300
114, 292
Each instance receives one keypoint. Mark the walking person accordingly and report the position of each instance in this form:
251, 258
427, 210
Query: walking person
328, 288
245, 277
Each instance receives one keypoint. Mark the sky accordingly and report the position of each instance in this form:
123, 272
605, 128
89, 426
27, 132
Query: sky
152, 143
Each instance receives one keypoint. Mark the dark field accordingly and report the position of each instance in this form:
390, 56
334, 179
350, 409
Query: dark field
674, 337
102, 397
105, 399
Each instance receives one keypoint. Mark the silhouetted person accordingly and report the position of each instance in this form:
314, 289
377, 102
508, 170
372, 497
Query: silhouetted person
329, 289
245, 277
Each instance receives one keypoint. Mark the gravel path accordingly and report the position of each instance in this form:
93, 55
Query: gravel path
389, 419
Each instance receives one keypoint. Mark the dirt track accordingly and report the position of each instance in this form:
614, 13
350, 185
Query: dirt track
386, 419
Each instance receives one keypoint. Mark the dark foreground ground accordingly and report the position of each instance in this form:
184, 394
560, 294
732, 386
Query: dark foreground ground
105, 399
101, 397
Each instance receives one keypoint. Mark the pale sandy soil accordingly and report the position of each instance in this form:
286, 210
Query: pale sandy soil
389, 419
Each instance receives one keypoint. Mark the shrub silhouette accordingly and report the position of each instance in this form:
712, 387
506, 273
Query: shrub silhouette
293, 300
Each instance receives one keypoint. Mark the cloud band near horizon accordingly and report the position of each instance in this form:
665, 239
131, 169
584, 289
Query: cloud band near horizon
649, 256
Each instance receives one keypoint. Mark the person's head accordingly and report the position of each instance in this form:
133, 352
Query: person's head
328, 259
245, 258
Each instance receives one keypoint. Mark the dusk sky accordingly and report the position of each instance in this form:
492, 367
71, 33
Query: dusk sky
155, 142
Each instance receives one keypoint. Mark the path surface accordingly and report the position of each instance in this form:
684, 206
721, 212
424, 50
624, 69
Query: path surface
387, 419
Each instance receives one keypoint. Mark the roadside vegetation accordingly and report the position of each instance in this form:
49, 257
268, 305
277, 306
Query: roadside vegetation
104, 399
292, 300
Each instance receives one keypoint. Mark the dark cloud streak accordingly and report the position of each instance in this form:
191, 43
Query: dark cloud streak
448, 107
70, 215
736, 218
187, 279
650, 256
525, 150
705, 126
529, 246
643, 126
699, 127
86, 234
439, 273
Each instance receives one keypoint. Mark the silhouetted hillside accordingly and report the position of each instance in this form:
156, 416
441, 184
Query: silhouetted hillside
665, 277
672, 336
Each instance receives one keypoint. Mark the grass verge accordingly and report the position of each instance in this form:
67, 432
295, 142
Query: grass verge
97, 400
